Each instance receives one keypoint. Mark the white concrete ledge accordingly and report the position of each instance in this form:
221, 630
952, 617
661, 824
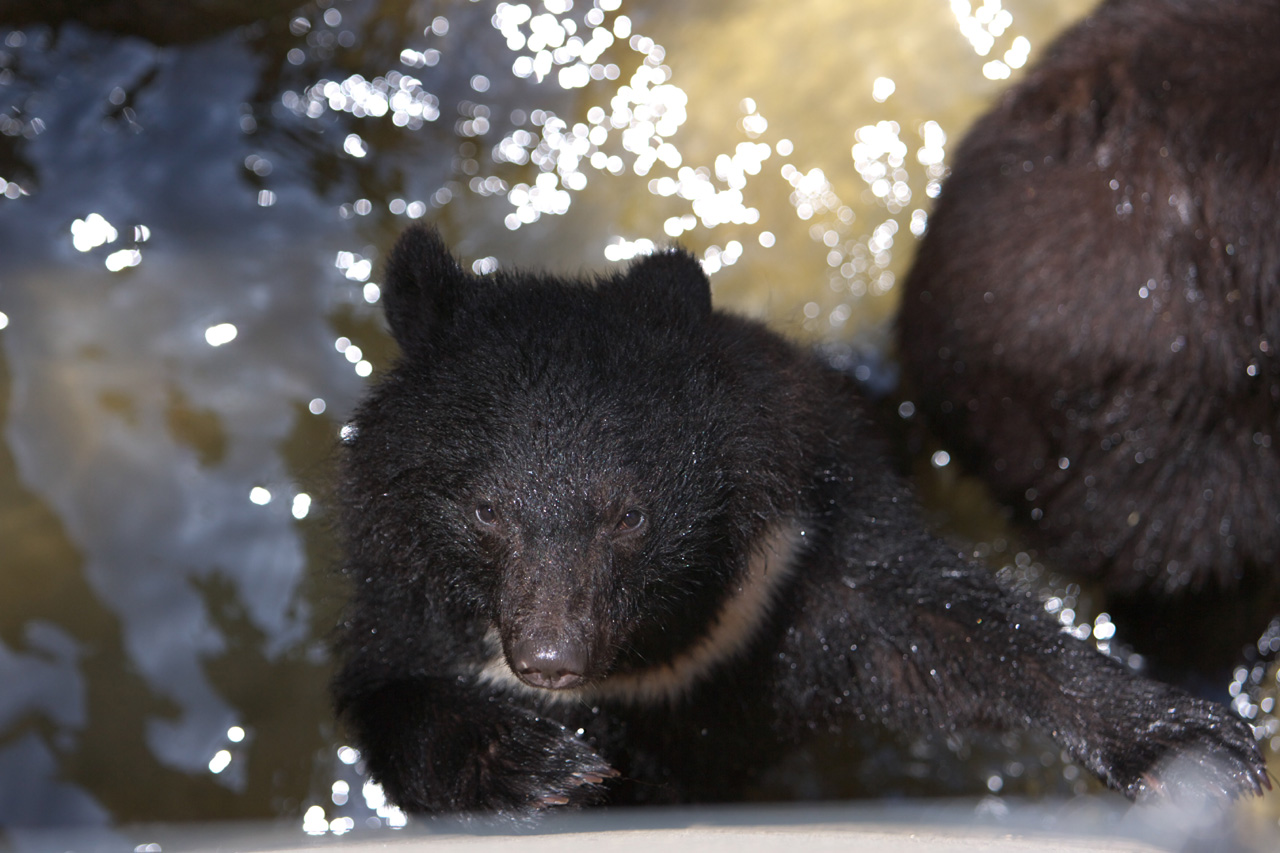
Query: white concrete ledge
1088, 824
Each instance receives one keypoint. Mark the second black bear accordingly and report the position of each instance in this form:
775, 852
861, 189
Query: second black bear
606, 542
1093, 318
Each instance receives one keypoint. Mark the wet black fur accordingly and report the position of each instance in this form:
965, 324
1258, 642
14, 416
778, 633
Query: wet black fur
561, 405
1100, 274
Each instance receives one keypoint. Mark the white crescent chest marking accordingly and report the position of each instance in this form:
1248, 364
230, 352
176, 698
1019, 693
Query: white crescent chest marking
741, 615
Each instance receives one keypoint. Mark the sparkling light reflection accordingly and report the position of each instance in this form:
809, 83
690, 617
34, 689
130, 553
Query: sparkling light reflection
633, 127
94, 231
91, 232
625, 250
382, 813
645, 114
223, 333
353, 266
355, 146
10, 189
221, 761
376, 801
123, 259
982, 27
314, 821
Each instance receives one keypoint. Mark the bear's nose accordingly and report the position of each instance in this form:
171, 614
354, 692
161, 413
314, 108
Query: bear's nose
550, 665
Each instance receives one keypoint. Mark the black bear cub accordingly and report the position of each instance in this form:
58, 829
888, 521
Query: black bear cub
1092, 323
607, 543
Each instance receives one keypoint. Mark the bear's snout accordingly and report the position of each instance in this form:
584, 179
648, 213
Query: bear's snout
552, 609
552, 664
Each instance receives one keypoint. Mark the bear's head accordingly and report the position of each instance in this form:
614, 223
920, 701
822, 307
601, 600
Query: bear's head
564, 466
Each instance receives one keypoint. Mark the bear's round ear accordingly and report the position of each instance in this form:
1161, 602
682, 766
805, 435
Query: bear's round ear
423, 285
676, 278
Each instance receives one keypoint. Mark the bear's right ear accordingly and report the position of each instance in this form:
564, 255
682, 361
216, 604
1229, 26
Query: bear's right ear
423, 286
676, 278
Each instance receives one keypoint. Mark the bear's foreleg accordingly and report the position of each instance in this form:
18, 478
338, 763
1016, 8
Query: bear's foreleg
925, 640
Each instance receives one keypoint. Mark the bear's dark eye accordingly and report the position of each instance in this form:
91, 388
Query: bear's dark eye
631, 521
486, 514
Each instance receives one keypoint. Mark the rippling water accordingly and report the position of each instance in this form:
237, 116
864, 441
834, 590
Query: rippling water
193, 210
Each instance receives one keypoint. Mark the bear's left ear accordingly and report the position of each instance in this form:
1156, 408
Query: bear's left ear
423, 286
675, 276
